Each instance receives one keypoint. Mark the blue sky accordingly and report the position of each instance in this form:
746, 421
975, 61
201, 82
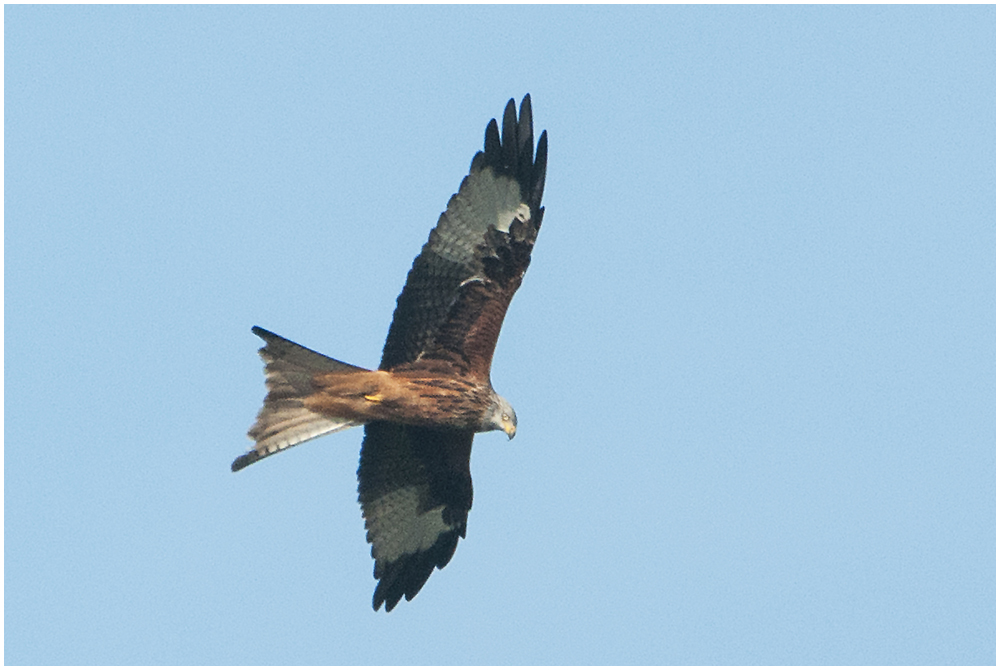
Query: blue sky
753, 359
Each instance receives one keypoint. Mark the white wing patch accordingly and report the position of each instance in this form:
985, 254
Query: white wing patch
484, 200
396, 528
505, 218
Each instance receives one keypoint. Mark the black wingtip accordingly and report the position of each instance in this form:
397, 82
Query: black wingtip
491, 144
508, 134
525, 132
508, 149
405, 577
541, 159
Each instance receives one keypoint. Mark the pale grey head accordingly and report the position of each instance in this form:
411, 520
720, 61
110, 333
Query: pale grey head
500, 416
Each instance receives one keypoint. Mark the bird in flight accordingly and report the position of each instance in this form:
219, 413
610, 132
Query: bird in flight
431, 393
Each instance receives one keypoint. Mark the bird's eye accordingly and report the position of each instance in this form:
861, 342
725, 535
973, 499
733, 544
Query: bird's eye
506, 417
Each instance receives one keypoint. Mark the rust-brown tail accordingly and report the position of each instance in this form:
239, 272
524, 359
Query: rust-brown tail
284, 421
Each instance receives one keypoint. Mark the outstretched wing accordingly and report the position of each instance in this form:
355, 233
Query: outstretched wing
415, 491
457, 291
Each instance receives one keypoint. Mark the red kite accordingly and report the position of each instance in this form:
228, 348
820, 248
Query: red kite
431, 393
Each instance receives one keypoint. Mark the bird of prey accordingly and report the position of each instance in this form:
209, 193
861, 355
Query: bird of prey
431, 393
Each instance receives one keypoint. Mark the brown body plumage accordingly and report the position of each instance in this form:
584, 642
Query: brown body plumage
411, 395
432, 391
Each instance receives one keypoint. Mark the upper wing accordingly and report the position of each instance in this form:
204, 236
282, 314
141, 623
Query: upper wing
415, 491
458, 289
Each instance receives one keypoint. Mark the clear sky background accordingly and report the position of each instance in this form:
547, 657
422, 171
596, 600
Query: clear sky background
753, 359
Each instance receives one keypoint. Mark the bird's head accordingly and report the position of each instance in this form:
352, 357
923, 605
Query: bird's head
501, 416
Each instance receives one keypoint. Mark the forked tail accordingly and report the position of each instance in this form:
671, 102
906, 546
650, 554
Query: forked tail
284, 421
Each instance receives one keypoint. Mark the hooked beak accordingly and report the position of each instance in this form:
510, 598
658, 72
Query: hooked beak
510, 429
